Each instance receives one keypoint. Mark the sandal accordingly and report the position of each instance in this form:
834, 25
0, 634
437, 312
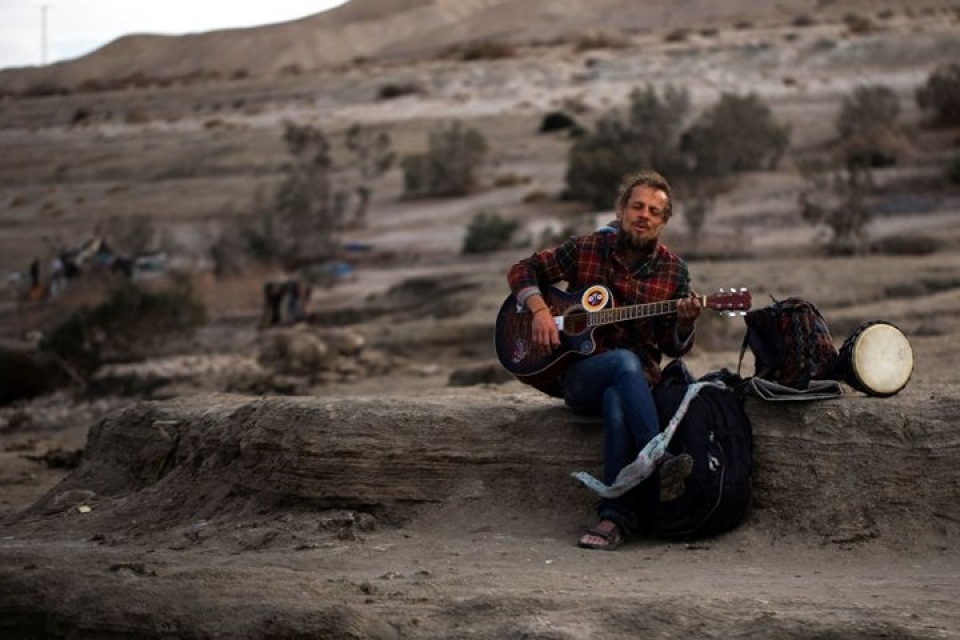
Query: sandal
612, 538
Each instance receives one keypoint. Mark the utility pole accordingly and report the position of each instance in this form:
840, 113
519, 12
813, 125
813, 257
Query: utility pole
43, 34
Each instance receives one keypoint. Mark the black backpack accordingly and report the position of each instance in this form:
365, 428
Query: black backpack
790, 342
716, 433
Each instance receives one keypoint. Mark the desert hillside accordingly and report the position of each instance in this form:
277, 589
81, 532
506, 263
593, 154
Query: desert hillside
365, 30
372, 471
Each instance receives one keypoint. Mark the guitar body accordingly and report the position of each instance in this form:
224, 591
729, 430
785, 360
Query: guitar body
580, 317
570, 310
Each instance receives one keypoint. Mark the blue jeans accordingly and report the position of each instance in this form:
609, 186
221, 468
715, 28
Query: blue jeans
613, 384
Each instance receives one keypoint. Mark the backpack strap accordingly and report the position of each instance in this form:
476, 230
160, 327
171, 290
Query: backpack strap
743, 350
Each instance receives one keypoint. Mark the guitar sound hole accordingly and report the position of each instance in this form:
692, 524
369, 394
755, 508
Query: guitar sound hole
575, 321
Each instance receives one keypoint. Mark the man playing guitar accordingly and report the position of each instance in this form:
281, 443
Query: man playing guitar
615, 380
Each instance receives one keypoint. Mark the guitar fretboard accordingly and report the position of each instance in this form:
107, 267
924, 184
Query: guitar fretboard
632, 312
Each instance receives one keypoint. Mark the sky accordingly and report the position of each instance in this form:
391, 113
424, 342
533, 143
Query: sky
76, 27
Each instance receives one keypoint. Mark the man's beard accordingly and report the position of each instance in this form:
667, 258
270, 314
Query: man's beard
628, 242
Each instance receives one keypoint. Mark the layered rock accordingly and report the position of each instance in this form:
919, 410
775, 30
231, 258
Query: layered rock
847, 469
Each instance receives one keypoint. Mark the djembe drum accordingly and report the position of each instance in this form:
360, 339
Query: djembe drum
876, 359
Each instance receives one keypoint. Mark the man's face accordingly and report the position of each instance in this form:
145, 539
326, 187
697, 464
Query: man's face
645, 214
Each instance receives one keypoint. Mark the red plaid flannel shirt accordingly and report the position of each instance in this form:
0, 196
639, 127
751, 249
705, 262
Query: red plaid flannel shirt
591, 259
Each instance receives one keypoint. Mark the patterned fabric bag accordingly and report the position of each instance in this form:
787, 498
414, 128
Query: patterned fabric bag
790, 342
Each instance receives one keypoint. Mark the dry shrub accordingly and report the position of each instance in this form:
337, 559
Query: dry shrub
905, 245
857, 24
23, 375
488, 232
137, 115
882, 146
91, 85
941, 94
131, 323
598, 40
398, 90
953, 171
506, 180
677, 35
485, 50
556, 121
449, 166
45, 89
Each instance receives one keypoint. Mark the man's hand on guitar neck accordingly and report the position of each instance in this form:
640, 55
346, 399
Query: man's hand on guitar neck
545, 335
688, 310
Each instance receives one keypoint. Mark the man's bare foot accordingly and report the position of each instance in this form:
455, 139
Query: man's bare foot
606, 536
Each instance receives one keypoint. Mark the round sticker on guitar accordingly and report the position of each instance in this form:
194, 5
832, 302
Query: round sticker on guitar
595, 298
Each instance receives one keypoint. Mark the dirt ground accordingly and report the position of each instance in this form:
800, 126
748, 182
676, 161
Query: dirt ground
482, 566
490, 565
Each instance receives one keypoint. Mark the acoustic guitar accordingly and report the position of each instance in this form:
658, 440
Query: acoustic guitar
578, 315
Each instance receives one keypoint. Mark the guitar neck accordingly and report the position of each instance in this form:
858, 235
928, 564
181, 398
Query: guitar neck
633, 312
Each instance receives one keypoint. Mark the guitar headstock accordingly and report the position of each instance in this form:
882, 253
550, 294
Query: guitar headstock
731, 302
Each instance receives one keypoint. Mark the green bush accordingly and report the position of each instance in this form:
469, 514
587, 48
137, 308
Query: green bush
448, 167
488, 232
941, 94
867, 126
738, 133
129, 324
642, 137
393, 90
953, 171
869, 107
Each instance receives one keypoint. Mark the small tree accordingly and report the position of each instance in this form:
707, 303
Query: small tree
644, 136
373, 157
867, 108
941, 94
310, 212
738, 133
449, 166
868, 129
837, 199
695, 214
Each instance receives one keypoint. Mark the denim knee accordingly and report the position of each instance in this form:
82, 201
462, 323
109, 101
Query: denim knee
627, 361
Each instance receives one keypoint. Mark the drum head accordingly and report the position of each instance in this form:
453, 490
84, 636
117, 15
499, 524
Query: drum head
882, 359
